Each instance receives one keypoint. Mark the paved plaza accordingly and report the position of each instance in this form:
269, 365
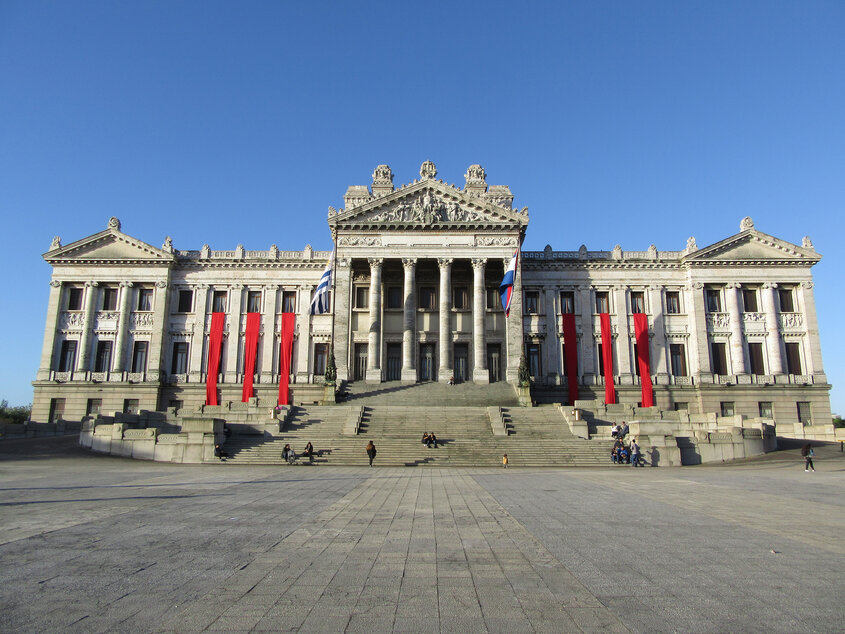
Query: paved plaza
94, 543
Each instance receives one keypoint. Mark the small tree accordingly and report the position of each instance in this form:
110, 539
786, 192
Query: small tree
523, 376
331, 370
19, 414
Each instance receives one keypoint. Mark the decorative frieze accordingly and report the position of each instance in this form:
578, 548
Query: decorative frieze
791, 321
718, 321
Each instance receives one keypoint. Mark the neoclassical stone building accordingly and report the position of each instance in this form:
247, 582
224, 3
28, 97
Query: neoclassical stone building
730, 327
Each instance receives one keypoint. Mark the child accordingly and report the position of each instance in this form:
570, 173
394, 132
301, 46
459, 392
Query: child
505, 461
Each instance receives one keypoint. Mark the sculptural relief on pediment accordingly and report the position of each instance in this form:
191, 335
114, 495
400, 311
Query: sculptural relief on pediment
426, 209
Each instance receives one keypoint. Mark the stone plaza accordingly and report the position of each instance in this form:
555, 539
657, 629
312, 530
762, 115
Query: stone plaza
99, 543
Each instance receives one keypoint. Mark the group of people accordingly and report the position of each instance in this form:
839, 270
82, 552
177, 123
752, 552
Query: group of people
619, 431
429, 440
289, 455
620, 454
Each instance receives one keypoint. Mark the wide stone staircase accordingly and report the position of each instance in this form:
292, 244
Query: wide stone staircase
394, 417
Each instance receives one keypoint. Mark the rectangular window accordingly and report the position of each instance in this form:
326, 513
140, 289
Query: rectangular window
602, 302
321, 358
131, 406
719, 359
567, 302
93, 407
394, 297
531, 302
681, 407
494, 300
218, 301
805, 414
109, 298
139, 356
288, 301
713, 297
793, 358
102, 360
765, 409
600, 358
678, 359
253, 301
145, 299
637, 302
179, 364
57, 409
428, 299
362, 297
727, 408
635, 362
755, 358
749, 300
534, 365
186, 301
67, 356
787, 299
673, 302
74, 298
460, 298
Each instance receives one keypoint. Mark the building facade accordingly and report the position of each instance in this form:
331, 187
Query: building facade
730, 327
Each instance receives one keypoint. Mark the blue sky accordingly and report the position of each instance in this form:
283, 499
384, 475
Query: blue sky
225, 123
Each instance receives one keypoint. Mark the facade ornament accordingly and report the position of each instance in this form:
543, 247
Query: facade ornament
56, 243
476, 175
382, 180
239, 252
698, 285
360, 241
332, 211
114, 223
94, 284
168, 245
547, 252
582, 251
524, 211
205, 252
691, 245
409, 263
126, 285
652, 252
274, 252
428, 171
493, 241
375, 262
807, 284
805, 242
55, 284
479, 263
616, 254
444, 263
746, 224
161, 284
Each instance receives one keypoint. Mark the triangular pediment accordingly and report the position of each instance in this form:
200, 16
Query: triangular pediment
752, 245
107, 246
427, 204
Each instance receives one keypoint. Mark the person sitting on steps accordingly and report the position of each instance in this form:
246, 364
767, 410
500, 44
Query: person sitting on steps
309, 451
432, 439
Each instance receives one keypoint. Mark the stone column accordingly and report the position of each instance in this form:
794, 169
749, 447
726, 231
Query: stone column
233, 337
161, 297
658, 349
268, 334
699, 353
374, 337
409, 321
195, 368
737, 344
586, 354
773, 342
303, 340
48, 347
623, 340
813, 350
444, 335
341, 310
551, 343
84, 358
119, 363
514, 332
480, 373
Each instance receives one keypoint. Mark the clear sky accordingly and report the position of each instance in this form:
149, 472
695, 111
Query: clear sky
241, 122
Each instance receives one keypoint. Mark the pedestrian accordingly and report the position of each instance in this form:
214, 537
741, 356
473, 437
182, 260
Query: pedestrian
635, 453
218, 451
371, 451
808, 453
505, 461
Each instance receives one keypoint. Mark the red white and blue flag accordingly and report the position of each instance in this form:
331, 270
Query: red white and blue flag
506, 287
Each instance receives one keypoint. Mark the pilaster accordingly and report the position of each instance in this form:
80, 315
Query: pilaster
161, 299
588, 339
303, 341
409, 321
341, 310
813, 349
700, 366
737, 344
120, 354
480, 373
658, 347
83, 361
48, 347
551, 343
233, 338
773, 340
623, 341
444, 335
374, 335
514, 332
268, 333
198, 339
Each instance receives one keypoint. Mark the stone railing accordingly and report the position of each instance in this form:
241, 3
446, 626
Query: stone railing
718, 321
791, 321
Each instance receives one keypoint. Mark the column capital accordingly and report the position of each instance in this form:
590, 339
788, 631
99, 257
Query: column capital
479, 263
655, 287
409, 263
126, 284
270, 287
375, 262
161, 284
807, 284
697, 285
769, 285
733, 285
91, 284
201, 287
55, 283
444, 263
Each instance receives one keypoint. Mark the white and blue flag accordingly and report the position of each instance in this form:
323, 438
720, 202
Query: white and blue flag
506, 287
320, 303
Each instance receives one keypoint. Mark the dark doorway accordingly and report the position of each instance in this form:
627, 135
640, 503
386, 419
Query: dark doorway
494, 362
360, 372
394, 361
461, 354
427, 369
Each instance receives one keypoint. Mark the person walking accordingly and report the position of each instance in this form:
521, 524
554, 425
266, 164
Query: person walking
371, 451
505, 461
808, 453
635, 453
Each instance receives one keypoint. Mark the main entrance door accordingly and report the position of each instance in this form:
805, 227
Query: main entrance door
360, 372
494, 361
461, 370
427, 369
394, 361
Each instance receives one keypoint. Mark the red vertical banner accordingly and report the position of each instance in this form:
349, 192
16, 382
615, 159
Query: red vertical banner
285, 353
607, 358
641, 333
571, 359
212, 366
253, 323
